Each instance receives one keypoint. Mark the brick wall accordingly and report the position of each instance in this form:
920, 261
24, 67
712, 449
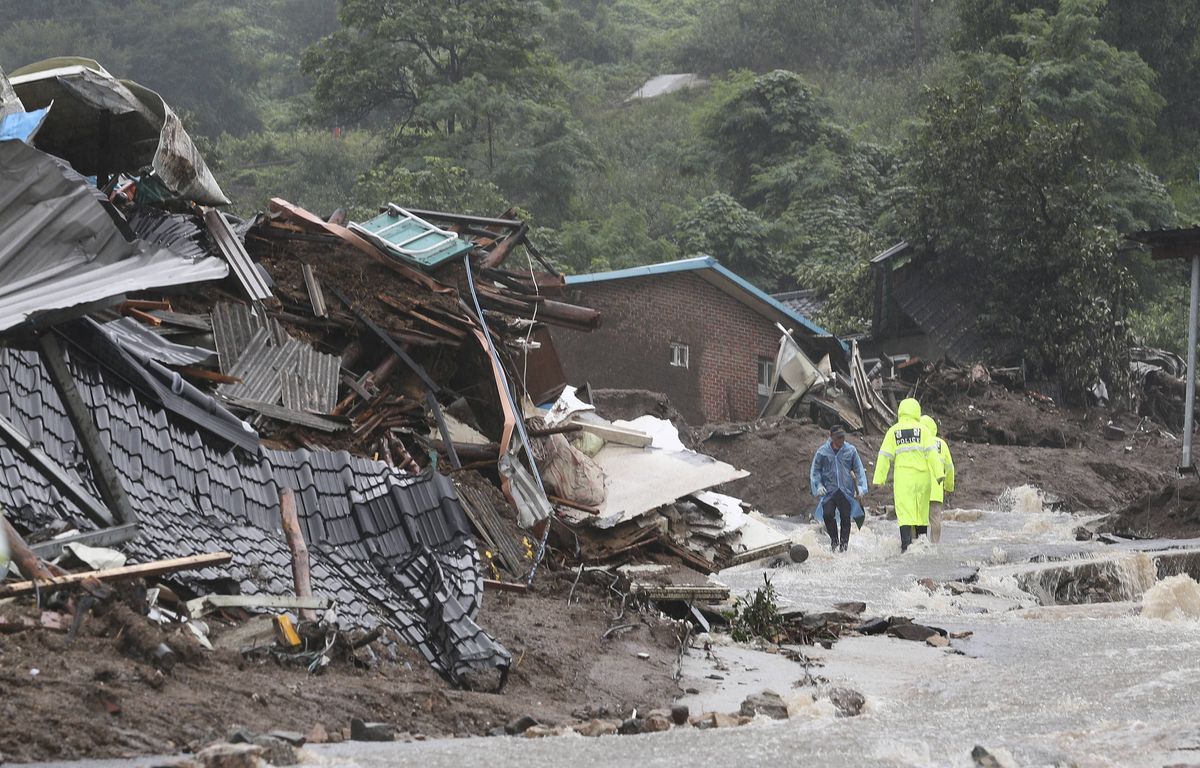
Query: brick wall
642, 316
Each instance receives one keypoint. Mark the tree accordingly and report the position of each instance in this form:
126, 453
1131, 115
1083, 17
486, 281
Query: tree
390, 56
719, 226
1007, 202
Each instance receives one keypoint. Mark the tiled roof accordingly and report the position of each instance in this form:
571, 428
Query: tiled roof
390, 548
807, 302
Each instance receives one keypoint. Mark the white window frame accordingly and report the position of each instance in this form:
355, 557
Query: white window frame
768, 365
679, 355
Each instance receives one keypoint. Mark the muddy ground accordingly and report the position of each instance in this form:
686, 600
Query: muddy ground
101, 696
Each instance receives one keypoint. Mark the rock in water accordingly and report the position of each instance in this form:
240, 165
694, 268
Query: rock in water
798, 553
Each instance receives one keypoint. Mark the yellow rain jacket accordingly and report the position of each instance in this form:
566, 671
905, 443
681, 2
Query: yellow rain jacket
937, 491
910, 446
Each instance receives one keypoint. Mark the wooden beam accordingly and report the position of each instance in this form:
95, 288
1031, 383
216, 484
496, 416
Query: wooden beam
295, 540
125, 573
108, 482
207, 604
614, 434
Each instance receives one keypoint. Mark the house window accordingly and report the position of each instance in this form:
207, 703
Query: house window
679, 354
766, 372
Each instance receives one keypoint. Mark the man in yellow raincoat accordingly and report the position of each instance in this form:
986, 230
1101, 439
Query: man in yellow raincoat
910, 446
937, 491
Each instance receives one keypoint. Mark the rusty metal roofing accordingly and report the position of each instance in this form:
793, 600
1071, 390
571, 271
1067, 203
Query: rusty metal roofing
234, 251
60, 246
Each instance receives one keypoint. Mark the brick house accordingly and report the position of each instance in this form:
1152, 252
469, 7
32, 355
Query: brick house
691, 329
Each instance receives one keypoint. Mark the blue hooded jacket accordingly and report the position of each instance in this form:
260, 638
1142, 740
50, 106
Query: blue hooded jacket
838, 471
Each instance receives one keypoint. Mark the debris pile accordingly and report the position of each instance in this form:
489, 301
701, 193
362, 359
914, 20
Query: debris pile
328, 430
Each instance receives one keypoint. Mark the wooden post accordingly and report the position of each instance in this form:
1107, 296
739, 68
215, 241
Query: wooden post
26, 559
295, 540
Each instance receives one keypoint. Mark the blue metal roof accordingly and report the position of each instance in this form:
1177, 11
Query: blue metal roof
702, 263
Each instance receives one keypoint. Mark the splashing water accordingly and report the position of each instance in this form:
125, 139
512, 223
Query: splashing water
1022, 500
1175, 598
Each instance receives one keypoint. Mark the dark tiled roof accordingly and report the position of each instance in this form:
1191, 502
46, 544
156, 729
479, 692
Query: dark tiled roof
807, 302
392, 549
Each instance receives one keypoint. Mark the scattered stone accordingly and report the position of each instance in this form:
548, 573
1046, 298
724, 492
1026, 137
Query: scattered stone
798, 553
853, 607
657, 724
240, 735
316, 735
849, 703
520, 725
994, 758
539, 731
876, 626
364, 731
295, 738
767, 703
937, 641
929, 584
595, 728
692, 691
963, 635
716, 720
1084, 534
277, 751
230, 756
632, 726
679, 714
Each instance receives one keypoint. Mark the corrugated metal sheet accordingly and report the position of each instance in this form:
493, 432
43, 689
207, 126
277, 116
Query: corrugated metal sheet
273, 366
145, 344
234, 252
259, 368
313, 384
176, 231
234, 325
60, 247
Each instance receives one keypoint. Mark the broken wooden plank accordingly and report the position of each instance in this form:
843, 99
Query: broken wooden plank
202, 606
315, 295
504, 586
615, 434
769, 550
125, 573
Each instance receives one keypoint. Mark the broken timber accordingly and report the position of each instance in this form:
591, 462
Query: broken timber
125, 573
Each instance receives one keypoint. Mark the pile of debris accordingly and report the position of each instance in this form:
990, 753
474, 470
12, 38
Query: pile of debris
294, 415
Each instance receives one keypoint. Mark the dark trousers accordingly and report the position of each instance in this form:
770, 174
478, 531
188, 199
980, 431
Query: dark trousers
910, 533
837, 507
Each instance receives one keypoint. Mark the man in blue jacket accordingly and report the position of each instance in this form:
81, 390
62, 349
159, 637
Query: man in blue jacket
838, 479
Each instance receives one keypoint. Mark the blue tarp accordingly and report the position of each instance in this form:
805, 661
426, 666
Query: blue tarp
22, 126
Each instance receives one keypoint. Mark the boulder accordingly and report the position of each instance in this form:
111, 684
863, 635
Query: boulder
277, 751
937, 641
767, 703
657, 724
849, 703
363, 731
875, 626
596, 727
632, 727
993, 758
915, 632
853, 607
716, 720
540, 731
224, 755
520, 725
679, 714
316, 735
798, 553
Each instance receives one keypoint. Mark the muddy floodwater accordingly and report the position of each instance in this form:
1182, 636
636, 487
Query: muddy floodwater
1045, 676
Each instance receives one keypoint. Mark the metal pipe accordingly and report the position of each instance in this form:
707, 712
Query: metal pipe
1190, 409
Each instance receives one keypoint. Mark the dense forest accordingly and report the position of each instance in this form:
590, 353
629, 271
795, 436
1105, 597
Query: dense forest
1016, 141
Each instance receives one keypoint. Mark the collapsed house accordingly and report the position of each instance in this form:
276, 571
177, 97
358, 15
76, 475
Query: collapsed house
173, 378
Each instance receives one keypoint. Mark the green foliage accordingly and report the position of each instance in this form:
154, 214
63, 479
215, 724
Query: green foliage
756, 616
439, 184
1007, 203
619, 240
391, 58
719, 226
